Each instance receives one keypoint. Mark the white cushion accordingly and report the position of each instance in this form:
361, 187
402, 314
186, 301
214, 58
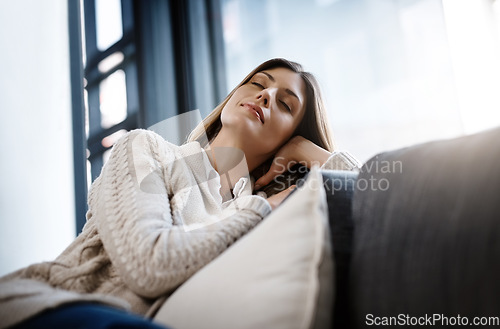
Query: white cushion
267, 279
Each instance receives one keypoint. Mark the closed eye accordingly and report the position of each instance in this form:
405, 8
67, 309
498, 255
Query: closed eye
258, 85
286, 106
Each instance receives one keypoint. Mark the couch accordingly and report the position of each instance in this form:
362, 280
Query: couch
413, 238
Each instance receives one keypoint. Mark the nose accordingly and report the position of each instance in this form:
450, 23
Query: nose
263, 96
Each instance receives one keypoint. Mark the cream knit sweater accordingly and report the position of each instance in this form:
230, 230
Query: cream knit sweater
155, 218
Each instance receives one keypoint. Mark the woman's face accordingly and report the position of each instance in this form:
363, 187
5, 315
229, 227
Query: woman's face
265, 111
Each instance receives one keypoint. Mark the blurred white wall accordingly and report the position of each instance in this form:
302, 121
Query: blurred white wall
37, 218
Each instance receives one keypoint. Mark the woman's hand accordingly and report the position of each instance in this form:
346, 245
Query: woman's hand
276, 199
297, 150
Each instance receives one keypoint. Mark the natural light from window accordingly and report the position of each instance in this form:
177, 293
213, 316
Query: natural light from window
394, 73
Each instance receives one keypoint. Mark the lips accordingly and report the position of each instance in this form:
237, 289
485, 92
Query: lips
256, 110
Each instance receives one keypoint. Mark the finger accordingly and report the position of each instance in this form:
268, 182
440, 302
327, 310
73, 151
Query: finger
278, 198
291, 188
274, 171
287, 191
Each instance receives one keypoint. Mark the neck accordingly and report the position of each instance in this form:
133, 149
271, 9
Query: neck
231, 159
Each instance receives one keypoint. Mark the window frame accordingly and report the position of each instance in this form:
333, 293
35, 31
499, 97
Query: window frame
166, 72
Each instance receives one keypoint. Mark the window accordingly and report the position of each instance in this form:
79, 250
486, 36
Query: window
144, 62
111, 85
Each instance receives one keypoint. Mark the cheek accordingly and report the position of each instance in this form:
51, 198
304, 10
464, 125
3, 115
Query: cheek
228, 111
231, 105
280, 131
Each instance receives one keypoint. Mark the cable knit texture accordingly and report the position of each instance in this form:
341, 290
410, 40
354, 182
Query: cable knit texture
155, 218
137, 244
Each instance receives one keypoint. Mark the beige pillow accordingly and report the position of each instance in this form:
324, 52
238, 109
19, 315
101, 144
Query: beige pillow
267, 279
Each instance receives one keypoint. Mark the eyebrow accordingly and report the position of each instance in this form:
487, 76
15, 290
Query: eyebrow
288, 91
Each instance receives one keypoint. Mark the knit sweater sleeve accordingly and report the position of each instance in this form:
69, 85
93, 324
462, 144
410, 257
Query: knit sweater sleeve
150, 250
341, 160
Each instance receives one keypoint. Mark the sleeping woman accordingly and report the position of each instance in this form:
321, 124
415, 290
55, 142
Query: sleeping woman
159, 212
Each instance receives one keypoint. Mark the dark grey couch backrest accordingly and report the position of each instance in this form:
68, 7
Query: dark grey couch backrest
427, 231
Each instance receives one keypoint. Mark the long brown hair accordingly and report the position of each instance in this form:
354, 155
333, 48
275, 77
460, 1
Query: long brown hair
314, 125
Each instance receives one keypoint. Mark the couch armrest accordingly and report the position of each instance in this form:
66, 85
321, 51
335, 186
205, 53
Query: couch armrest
339, 187
426, 237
